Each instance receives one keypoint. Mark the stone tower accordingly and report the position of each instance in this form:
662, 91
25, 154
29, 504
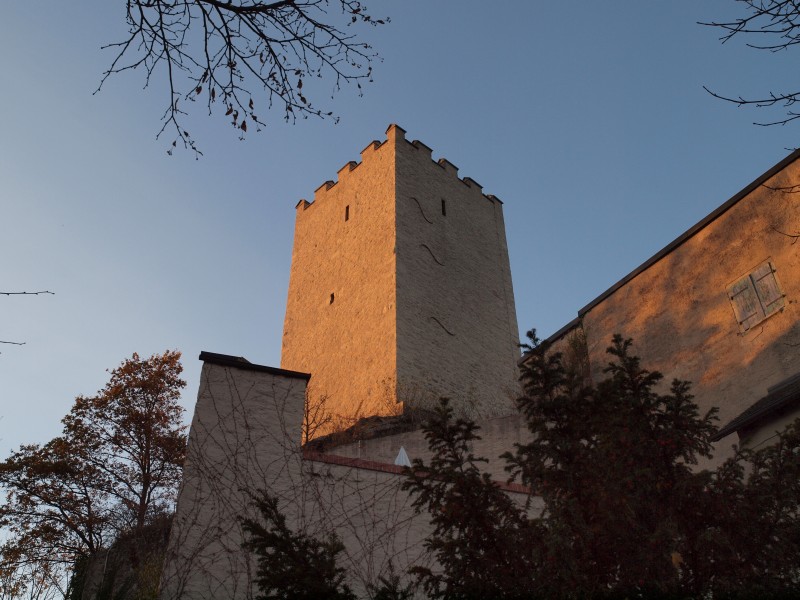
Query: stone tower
400, 289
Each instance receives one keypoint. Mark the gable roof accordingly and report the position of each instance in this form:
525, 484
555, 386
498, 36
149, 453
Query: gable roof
780, 396
679, 241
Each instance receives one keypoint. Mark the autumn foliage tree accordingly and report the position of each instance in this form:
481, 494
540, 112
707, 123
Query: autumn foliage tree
115, 467
133, 435
53, 510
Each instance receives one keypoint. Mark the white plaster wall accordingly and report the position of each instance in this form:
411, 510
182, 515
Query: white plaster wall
244, 437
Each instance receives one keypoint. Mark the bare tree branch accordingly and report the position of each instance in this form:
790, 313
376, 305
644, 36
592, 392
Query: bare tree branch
785, 189
244, 54
778, 22
793, 236
23, 294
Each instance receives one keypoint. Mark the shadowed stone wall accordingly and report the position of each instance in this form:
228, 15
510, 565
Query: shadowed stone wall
457, 330
245, 437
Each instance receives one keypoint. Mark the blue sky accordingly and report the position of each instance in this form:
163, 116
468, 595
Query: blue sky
587, 119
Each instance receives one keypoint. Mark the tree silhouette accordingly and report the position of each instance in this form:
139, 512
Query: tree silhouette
773, 26
292, 565
624, 511
244, 56
483, 542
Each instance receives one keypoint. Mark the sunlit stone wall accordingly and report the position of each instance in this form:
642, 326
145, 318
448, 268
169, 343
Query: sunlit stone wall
400, 289
681, 318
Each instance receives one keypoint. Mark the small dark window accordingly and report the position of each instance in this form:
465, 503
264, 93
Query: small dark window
347, 213
332, 298
444, 208
756, 296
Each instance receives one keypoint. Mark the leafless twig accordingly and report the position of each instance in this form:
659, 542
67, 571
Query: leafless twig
236, 51
777, 22
793, 236
784, 189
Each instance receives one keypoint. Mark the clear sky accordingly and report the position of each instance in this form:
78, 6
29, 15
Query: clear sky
588, 119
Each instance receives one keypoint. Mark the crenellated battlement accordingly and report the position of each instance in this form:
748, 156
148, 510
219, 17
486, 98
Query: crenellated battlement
425, 148
400, 290
395, 136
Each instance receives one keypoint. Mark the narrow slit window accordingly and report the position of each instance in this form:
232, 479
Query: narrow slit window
347, 213
444, 208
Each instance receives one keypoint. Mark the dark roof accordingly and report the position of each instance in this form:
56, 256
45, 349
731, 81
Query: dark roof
559, 334
785, 394
574, 324
239, 362
686, 235
367, 428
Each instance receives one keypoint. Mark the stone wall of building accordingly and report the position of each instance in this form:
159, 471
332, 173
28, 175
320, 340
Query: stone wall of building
765, 433
340, 312
400, 289
457, 330
407, 294
498, 435
245, 437
678, 308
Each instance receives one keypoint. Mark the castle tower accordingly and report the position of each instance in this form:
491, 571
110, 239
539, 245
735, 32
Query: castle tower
400, 289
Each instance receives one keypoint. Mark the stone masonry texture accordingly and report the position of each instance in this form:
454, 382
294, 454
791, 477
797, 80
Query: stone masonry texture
400, 289
681, 320
400, 292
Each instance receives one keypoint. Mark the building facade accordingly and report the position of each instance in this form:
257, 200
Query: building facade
717, 307
400, 293
400, 289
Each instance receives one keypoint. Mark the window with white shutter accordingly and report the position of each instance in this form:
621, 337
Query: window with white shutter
756, 296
